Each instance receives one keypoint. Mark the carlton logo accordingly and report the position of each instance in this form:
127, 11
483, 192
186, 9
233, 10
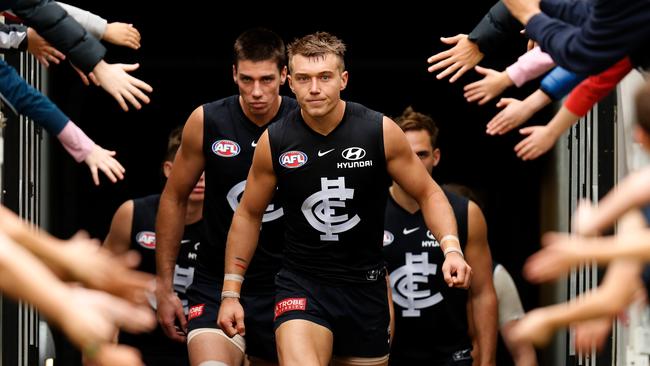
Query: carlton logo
147, 239
293, 159
226, 148
195, 311
292, 303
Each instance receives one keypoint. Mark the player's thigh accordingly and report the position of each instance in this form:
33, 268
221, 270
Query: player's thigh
302, 342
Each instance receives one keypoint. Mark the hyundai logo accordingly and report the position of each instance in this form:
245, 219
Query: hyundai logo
353, 153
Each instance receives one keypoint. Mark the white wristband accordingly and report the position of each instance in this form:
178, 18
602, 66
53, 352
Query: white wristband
449, 237
229, 295
233, 277
453, 249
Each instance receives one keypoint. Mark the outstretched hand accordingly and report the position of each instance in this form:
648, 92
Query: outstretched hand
114, 78
560, 252
109, 311
42, 50
110, 354
463, 56
533, 328
592, 333
102, 159
101, 270
122, 34
514, 113
540, 139
583, 222
491, 86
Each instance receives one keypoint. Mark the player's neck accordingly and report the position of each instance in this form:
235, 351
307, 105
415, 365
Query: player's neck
403, 199
194, 212
263, 119
326, 123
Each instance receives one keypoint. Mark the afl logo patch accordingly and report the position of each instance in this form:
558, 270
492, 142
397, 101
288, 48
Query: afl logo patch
226, 148
353, 153
388, 237
146, 239
293, 159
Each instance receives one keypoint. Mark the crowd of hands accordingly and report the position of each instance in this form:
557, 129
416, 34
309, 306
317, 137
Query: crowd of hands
78, 286
464, 55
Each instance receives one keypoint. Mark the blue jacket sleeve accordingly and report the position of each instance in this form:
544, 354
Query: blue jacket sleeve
559, 82
612, 30
62, 31
573, 12
29, 101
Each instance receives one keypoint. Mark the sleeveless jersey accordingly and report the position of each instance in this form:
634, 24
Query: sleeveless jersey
143, 239
430, 317
229, 141
334, 191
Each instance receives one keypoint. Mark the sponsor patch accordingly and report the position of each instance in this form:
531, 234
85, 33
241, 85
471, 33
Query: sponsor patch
293, 159
292, 303
353, 153
146, 239
195, 311
226, 148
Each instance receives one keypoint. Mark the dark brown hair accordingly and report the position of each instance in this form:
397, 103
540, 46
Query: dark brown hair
411, 120
173, 143
260, 44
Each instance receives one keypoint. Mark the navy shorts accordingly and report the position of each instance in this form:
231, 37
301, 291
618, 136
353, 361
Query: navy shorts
204, 301
357, 315
462, 357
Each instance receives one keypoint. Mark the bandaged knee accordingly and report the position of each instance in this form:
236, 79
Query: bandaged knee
237, 340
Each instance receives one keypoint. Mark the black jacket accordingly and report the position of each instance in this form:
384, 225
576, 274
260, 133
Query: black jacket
497, 28
58, 28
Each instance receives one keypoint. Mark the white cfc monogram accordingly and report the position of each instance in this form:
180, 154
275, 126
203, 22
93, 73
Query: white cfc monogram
320, 209
234, 195
405, 283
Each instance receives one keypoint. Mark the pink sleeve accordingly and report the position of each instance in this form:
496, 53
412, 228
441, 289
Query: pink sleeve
591, 90
75, 141
529, 66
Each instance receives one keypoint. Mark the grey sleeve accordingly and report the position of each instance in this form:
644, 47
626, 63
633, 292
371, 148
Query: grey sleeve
510, 307
93, 24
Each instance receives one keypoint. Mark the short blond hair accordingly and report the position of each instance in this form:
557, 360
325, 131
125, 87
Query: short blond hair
317, 45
